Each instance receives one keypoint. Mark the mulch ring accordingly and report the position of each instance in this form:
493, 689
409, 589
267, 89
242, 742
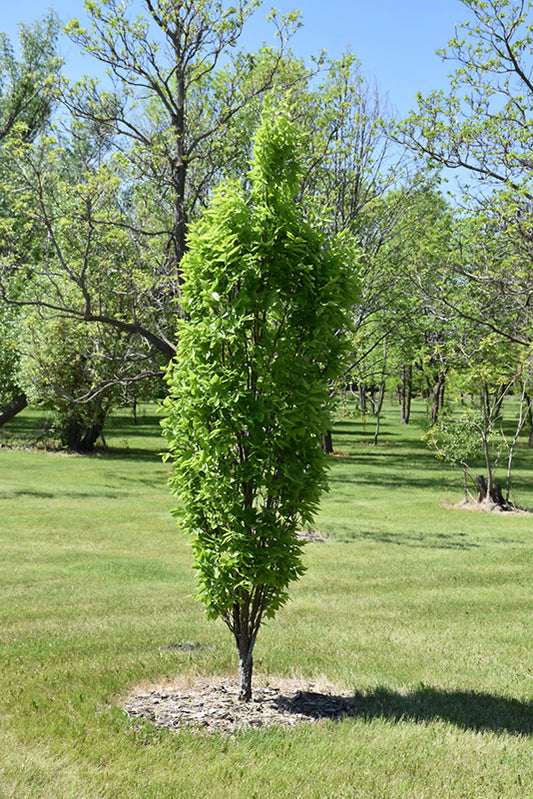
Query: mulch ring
213, 705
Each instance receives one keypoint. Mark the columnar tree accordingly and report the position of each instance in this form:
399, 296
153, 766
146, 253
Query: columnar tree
266, 304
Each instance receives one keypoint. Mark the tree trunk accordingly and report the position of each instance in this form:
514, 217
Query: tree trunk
379, 405
481, 487
327, 442
80, 437
244, 622
437, 398
497, 496
372, 399
12, 408
493, 495
499, 397
530, 417
361, 390
406, 393
246, 666
245, 647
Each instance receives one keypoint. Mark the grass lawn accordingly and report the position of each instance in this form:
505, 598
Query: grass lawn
425, 610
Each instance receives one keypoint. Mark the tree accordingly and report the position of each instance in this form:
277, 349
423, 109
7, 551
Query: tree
111, 189
457, 442
162, 65
483, 126
353, 178
26, 104
485, 372
78, 374
26, 84
248, 390
73, 196
399, 335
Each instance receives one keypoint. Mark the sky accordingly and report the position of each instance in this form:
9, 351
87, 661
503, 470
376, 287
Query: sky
395, 40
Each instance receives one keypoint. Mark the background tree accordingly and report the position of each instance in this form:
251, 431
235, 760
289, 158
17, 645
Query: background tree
73, 198
400, 336
27, 82
60, 367
248, 390
109, 192
162, 65
457, 442
352, 175
483, 126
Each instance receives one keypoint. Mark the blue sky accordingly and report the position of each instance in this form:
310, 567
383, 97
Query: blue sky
394, 40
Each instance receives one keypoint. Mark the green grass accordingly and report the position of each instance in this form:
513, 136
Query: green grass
424, 611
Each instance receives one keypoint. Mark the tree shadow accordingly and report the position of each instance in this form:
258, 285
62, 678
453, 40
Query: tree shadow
391, 470
424, 539
468, 710
131, 454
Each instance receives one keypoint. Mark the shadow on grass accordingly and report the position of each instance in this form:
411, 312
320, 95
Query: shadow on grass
131, 454
388, 480
424, 539
468, 710
392, 469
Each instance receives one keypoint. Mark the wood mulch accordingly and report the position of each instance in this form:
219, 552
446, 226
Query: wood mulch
212, 705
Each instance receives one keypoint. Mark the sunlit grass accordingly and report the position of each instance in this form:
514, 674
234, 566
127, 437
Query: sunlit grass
423, 611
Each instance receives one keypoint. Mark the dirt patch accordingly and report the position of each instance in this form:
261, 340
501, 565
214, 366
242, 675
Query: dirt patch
481, 507
311, 536
212, 704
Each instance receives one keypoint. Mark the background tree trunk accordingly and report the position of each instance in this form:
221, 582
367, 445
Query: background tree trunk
379, 405
493, 495
437, 398
327, 442
80, 437
406, 392
530, 418
361, 390
12, 408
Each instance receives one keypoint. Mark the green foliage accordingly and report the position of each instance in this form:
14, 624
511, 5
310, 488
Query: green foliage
62, 365
248, 390
26, 102
8, 354
26, 84
456, 441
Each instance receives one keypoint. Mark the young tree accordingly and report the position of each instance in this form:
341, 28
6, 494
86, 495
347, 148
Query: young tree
248, 390
486, 374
